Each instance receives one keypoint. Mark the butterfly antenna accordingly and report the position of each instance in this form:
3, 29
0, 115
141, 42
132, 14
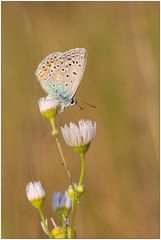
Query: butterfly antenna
88, 104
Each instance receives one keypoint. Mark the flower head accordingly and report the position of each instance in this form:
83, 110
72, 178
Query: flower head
35, 193
79, 137
48, 106
61, 200
61, 203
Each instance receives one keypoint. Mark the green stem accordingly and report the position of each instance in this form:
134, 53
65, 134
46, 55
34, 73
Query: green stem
44, 222
82, 169
81, 179
73, 234
55, 133
63, 160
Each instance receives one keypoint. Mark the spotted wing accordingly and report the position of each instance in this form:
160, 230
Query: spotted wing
61, 73
75, 60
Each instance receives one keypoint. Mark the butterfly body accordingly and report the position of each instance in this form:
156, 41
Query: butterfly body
60, 74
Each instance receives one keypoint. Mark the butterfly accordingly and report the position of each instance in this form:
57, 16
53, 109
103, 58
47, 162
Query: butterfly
60, 74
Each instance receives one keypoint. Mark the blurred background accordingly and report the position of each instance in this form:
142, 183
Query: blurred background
121, 79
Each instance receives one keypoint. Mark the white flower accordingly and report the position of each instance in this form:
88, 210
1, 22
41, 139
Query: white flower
49, 106
47, 103
81, 135
35, 193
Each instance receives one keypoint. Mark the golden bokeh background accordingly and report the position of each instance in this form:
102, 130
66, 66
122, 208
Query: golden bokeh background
121, 79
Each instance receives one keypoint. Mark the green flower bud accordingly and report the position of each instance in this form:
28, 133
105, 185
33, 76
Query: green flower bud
71, 192
80, 190
76, 192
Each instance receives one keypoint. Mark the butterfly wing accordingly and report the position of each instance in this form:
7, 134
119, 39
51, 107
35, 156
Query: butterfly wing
60, 73
45, 71
76, 62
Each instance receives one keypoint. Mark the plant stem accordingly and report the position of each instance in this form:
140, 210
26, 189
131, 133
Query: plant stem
44, 222
73, 234
63, 159
82, 169
55, 133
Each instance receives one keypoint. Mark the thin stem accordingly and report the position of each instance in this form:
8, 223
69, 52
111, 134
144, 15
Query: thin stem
63, 159
55, 133
82, 169
73, 234
81, 179
44, 222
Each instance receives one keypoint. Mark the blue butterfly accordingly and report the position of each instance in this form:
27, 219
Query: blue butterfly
60, 75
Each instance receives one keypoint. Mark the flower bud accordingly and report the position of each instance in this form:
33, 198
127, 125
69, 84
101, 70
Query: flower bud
80, 190
61, 204
35, 194
48, 107
76, 192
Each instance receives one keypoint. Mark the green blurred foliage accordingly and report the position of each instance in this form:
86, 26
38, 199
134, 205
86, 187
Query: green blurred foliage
121, 79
